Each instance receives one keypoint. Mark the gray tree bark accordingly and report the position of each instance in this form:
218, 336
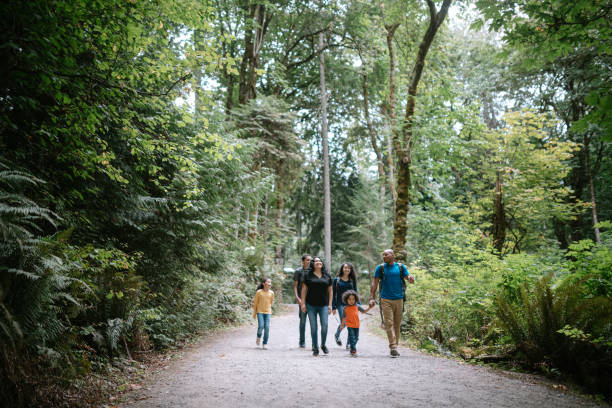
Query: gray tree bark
326, 194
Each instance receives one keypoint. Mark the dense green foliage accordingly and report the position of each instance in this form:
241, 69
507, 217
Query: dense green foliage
158, 158
117, 209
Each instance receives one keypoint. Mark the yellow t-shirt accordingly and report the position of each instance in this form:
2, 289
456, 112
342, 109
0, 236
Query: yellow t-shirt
263, 302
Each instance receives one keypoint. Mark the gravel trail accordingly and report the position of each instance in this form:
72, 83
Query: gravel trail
230, 371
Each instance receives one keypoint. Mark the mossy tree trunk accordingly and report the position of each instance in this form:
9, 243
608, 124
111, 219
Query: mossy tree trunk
403, 141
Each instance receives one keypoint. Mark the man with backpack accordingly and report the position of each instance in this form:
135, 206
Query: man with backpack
392, 278
298, 278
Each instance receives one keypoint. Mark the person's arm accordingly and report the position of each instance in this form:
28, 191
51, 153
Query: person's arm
373, 290
362, 310
409, 277
304, 289
329, 293
335, 293
255, 303
295, 292
272, 300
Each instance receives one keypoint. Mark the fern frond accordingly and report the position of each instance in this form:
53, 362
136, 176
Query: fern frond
25, 274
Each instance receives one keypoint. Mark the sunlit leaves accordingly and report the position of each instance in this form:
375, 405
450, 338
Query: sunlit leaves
533, 164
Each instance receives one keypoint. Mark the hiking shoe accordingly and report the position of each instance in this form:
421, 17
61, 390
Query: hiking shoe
315, 352
257, 341
325, 350
302, 346
394, 353
338, 341
353, 353
264, 347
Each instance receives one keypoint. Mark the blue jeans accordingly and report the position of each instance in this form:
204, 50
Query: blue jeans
313, 311
302, 326
340, 309
263, 324
353, 337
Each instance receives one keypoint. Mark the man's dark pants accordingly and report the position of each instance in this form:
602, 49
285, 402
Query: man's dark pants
302, 326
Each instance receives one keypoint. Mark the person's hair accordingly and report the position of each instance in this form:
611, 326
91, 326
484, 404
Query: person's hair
352, 273
311, 266
305, 256
348, 293
261, 284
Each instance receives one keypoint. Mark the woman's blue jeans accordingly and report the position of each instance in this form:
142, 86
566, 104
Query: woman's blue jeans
313, 311
263, 325
340, 309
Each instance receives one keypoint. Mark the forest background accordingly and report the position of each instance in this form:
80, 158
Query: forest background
158, 158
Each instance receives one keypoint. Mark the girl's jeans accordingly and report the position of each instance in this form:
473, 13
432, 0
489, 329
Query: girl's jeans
353, 337
340, 310
263, 324
313, 311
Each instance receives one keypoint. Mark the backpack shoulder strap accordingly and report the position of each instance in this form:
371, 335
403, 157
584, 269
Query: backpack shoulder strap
382, 271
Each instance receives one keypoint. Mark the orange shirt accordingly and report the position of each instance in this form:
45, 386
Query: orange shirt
352, 316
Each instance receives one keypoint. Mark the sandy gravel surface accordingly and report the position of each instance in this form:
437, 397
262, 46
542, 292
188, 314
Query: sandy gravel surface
230, 371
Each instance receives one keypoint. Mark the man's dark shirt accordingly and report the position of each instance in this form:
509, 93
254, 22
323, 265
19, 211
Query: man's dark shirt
298, 276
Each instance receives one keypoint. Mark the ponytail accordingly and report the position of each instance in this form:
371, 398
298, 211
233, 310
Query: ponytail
261, 284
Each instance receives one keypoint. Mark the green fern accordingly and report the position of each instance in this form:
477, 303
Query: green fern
538, 324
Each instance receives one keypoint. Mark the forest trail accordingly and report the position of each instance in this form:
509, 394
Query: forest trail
228, 370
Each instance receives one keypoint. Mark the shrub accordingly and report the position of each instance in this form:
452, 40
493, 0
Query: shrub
561, 326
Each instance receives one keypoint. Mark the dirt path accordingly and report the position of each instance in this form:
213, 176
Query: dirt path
229, 371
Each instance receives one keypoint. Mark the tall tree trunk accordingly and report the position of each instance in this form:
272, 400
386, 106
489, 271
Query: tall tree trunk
391, 166
403, 147
198, 39
228, 49
586, 141
499, 219
246, 55
327, 195
247, 228
253, 41
391, 108
229, 97
254, 225
379, 157
280, 207
264, 231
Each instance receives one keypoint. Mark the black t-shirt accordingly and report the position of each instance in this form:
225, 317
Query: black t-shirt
298, 276
318, 292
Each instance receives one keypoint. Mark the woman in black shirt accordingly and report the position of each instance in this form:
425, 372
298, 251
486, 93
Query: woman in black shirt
317, 291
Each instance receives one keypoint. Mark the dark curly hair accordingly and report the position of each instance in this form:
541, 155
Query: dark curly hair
311, 267
352, 273
348, 293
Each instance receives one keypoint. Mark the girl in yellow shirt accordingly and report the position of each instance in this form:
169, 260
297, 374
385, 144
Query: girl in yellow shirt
262, 309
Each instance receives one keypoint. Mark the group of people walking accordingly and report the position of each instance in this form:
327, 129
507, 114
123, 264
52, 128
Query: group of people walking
318, 296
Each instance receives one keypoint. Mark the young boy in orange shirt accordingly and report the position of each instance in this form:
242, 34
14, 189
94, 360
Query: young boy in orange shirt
351, 318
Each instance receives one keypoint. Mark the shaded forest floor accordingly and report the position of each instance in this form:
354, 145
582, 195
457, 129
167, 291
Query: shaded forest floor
227, 369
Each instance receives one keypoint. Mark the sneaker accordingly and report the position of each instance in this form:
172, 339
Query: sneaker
353, 353
325, 350
302, 346
338, 341
264, 347
394, 353
257, 341
315, 352
348, 347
